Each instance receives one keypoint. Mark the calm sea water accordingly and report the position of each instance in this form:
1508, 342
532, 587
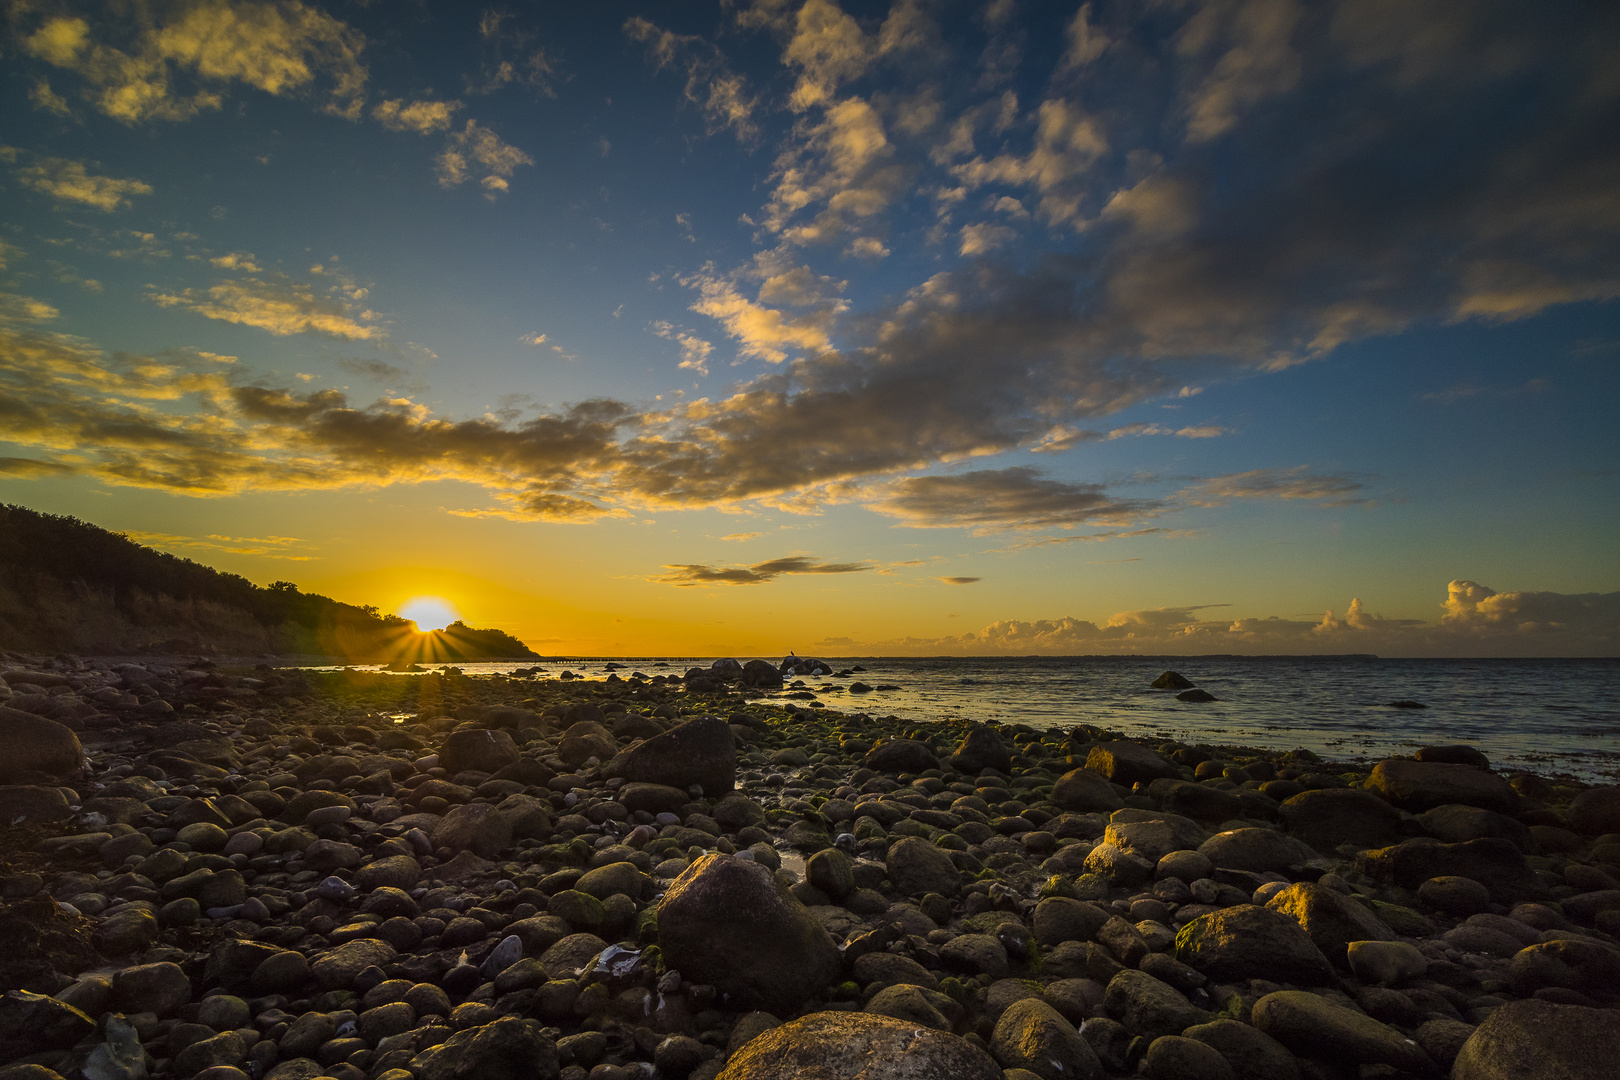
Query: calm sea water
1547, 716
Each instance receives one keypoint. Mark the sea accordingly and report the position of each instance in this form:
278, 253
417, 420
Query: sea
1554, 717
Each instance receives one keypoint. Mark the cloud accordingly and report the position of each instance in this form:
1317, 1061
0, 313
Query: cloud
690, 574
1256, 60
959, 580
694, 350
710, 84
16, 468
739, 537
478, 146
1086, 42
1464, 391
423, 117
985, 237
989, 499
72, 182
280, 48
281, 306
867, 247
266, 547
1476, 622
26, 308
1293, 483
767, 333
377, 370
1068, 142
237, 260
844, 165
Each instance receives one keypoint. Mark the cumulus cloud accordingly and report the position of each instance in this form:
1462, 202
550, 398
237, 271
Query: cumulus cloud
72, 181
131, 62
689, 574
1476, 622
476, 149
694, 350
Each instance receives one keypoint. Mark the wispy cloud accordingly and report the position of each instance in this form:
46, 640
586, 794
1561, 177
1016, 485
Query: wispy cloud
993, 499
476, 149
282, 306
1293, 483
688, 574
423, 117
711, 85
72, 181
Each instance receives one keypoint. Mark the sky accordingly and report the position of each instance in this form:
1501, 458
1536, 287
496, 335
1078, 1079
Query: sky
927, 327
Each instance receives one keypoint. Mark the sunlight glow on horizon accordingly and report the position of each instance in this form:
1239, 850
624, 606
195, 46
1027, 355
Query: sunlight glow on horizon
429, 612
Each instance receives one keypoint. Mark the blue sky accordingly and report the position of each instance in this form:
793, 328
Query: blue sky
916, 326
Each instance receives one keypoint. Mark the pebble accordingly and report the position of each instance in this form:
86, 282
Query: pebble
1052, 904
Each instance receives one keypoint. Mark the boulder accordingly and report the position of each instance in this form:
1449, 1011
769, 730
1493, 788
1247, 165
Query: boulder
1128, 763
336, 968
37, 748
1084, 790
1175, 1057
1596, 811
1059, 918
1493, 862
1330, 919
392, 871
901, 756
1328, 817
475, 827
846, 1044
1423, 785
699, 752
1385, 963
1455, 823
504, 1049
1248, 942
1252, 1053
1314, 1027
982, 748
31, 1023
917, 868
1586, 965
1032, 1035
1255, 850
32, 803
913, 1004
478, 751
1149, 1007
1193, 800
1541, 1039
729, 923
156, 988
1454, 754
1172, 680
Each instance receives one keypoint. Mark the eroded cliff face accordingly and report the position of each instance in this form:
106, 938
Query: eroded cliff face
78, 618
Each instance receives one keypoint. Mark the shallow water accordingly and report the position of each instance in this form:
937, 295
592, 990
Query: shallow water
1547, 716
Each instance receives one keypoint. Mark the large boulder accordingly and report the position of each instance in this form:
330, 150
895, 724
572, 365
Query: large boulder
1148, 1006
37, 748
504, 1049
865, 1045
1423, 785
33, 803
1252, 1053
475, 827
1084, 790
1493, 862
699, 752
1330, 919
917, 868
31, 1023
1248, 942
982, 748
1328, 817
1032, 1035
1128, 763
478, 751
902, 756
1586, 965
729, 923
1596, 811
1198, 801
1543, 1040
1312, 1026
1255, 850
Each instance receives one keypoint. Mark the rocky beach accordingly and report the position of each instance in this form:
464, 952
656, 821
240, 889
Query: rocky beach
239, 871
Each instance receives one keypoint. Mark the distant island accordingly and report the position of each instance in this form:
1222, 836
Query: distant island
69, 586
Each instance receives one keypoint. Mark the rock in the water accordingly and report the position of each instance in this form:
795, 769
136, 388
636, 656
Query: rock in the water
917, 868
1148, 1007
698, 752
982, 748
1248, 942
1330, 919
1128, 763
1196, 694
902, 756
504, 1049
1084, 790
728, 923
1423, 785
1032, 1035
479, 750
843, 1044
1543, 1040
1314, 1027
1171, 680
37, 748
1328, 817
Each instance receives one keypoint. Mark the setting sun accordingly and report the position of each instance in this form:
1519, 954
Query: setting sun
429, 612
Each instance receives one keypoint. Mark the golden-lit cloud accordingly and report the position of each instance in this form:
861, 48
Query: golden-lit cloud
959, 580
759, 573
711, 85
476, 149
694, 350
423, 117
266, 547
72, 181
280, 306
131, 64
